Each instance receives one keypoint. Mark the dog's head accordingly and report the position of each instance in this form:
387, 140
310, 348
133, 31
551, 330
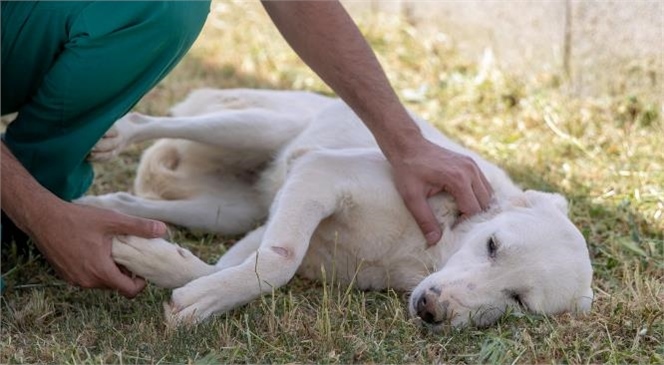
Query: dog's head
526, 255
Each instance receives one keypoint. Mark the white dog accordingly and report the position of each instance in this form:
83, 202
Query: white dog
306, 166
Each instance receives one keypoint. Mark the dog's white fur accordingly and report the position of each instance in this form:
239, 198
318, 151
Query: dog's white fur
307, 166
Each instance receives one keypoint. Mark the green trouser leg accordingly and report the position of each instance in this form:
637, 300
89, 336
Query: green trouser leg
93, 61
71, 69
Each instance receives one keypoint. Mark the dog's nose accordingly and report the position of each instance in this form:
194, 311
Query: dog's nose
427, 308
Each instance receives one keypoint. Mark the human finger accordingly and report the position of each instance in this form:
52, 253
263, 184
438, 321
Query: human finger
141, 227
127, 285
466, 200
423, 214
482, 191
486, 198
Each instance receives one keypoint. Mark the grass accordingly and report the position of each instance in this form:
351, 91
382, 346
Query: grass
604, 153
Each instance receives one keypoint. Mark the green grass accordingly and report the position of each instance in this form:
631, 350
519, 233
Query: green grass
604, 153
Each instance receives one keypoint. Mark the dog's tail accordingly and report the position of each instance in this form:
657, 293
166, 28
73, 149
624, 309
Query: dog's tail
158, 175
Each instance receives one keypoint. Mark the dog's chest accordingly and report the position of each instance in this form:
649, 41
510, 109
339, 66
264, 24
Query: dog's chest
372, 249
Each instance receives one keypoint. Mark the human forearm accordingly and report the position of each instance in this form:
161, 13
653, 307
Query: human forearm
75, 239
24, 200
327, 39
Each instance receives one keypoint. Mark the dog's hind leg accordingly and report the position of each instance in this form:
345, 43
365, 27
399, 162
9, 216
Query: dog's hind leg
253, 129
225, 213
296, 213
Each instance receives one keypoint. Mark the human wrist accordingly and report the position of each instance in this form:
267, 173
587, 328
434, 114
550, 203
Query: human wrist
28, 204
399, 142
45, 214
37, 214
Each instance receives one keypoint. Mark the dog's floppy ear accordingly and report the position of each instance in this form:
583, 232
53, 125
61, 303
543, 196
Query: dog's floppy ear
532, 197
520, 200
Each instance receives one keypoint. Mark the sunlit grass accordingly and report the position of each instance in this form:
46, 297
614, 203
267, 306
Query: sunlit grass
604, 153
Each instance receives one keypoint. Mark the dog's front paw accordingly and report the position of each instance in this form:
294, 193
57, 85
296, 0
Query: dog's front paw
174, 319
191, 304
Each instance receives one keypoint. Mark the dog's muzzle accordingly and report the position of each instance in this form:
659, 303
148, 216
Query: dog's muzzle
429, 309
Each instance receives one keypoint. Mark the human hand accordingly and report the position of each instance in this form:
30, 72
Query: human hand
426, 169
77, 241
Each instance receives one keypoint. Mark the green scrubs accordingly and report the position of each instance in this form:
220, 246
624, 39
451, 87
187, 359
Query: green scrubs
71, 69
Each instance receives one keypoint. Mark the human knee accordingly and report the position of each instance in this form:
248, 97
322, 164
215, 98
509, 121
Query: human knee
181, 19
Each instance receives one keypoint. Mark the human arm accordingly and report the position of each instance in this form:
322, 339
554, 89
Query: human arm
327, 39
75, 239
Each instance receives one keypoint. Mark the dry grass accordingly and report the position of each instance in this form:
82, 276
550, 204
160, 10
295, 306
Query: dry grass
604, 153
